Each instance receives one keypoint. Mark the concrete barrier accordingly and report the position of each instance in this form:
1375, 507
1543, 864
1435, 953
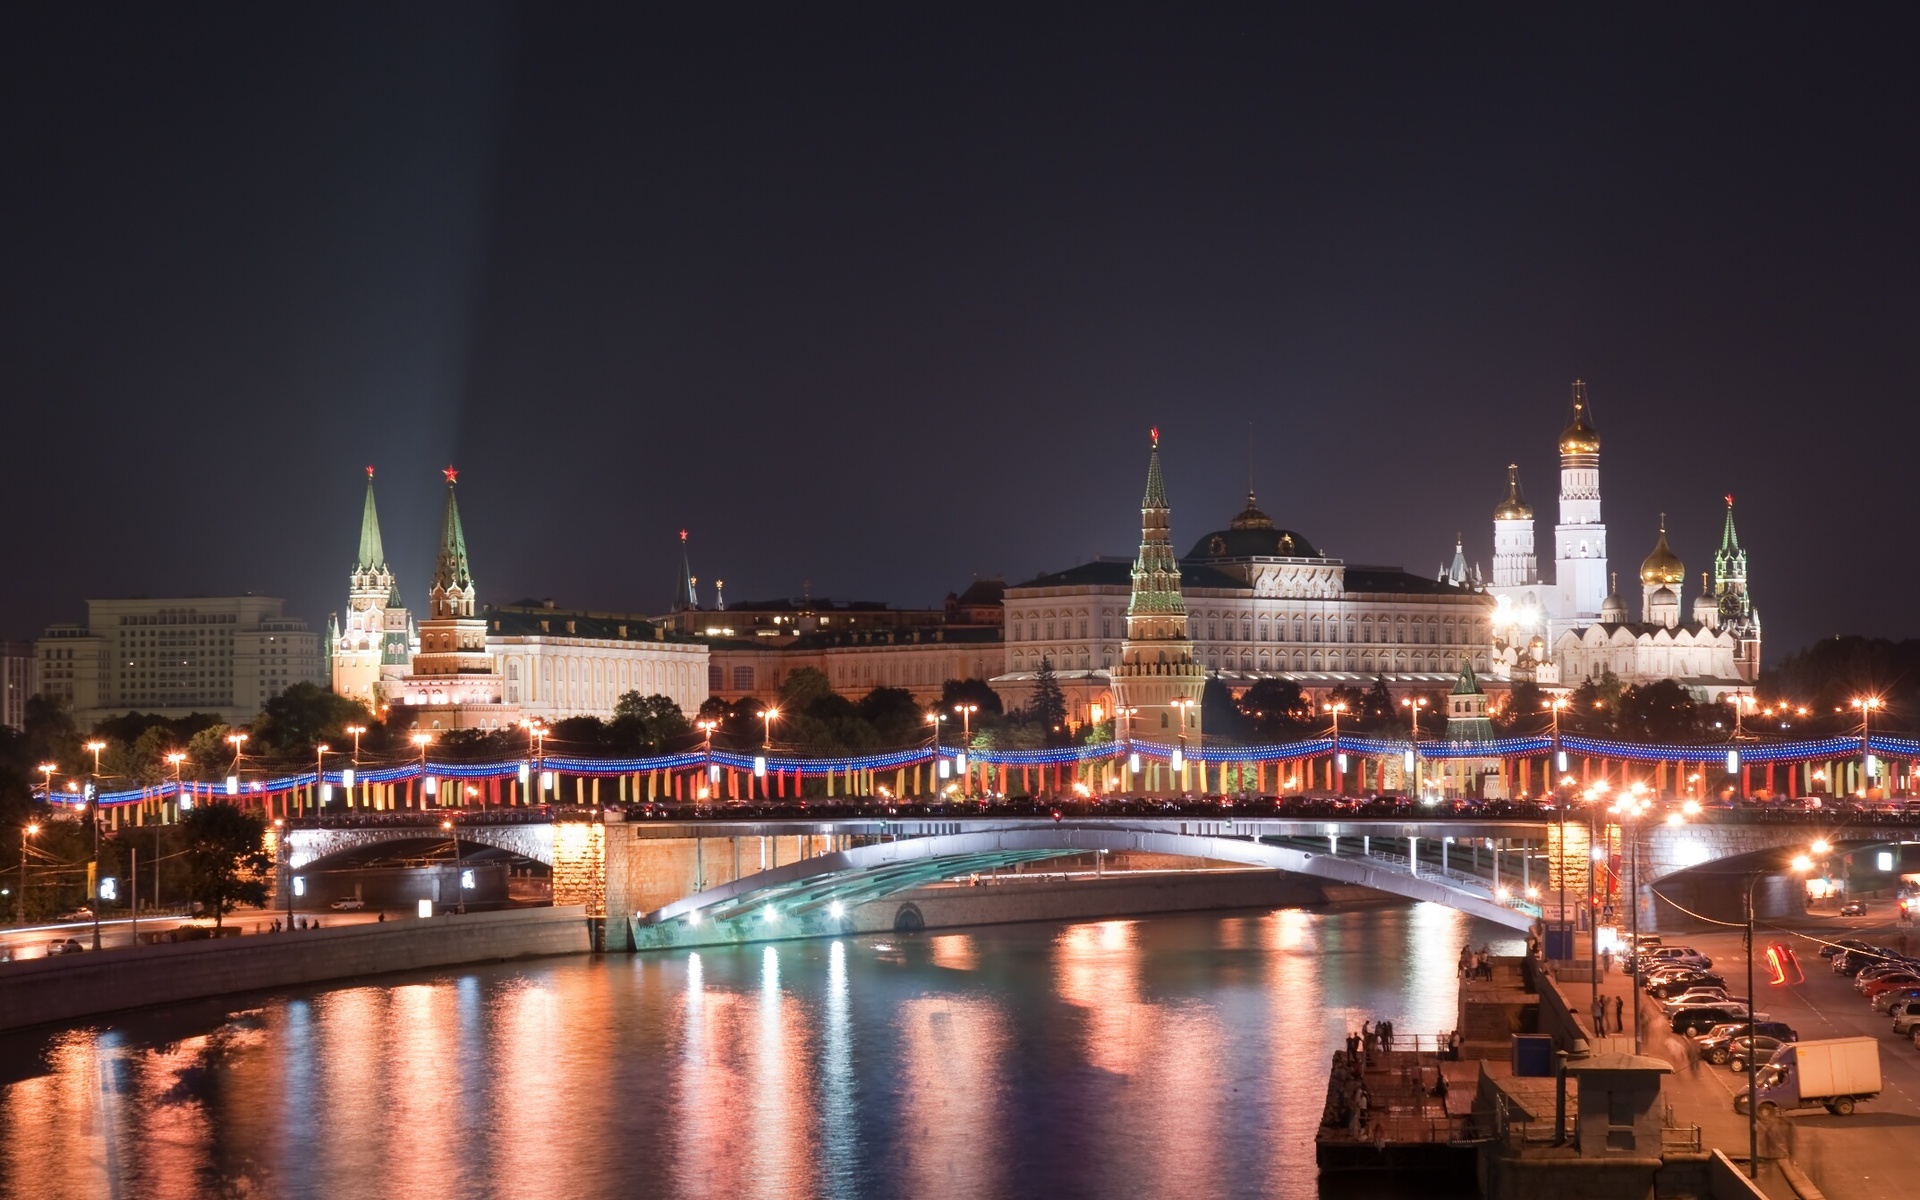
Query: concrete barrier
1008, 901
42, 991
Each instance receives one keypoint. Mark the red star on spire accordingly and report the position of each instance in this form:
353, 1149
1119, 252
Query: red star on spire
451, 474
1729, 499
1155, 431
683, 536
369, 470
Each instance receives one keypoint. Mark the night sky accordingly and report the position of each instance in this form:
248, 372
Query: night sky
886, 297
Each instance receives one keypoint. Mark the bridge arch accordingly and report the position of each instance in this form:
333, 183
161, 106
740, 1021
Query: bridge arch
809, 897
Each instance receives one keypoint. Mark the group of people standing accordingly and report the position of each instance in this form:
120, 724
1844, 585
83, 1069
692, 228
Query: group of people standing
1475, 964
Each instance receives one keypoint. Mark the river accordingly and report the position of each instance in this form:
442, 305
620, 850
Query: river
1173, 1056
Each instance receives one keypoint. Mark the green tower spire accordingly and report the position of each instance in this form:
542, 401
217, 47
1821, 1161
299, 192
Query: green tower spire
1156, 573
372, 557
450, 570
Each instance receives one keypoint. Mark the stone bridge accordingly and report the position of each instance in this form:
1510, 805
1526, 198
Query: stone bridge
315, 847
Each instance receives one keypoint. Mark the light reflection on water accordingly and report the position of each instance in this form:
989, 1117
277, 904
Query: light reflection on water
1173, 1056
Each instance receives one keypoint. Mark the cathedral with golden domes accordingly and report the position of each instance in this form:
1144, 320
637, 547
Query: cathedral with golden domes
1575, 626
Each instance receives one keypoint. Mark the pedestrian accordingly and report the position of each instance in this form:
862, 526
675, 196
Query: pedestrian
1619, 1021
1386, 1035
1606, 961
1599, 1015
1366, 1034
383, 916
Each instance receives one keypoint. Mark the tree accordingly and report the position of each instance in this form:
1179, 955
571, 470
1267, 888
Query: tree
1048, 709
226, 859
1658, 712
646, 724
302, 717
804, 688
971, 691
1377, 706
894, 715
208, 750
1526, 707
1274, 708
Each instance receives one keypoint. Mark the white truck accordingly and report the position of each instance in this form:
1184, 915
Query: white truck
1833, 1074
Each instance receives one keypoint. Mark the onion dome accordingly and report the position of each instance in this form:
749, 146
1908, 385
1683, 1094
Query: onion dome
1663, 567
1613, 610
1514, 507
1580, 437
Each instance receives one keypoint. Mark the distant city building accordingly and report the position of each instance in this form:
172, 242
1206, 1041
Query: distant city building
858, 645
19, 682
224, 655
562, 663
1562, 631
1261, 602
466, 667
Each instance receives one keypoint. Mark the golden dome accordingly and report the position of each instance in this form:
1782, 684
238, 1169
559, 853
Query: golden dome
1580, 437
1514, 507
1663, 567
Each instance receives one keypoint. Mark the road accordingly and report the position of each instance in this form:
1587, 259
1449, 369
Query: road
31, 941
1867, 1156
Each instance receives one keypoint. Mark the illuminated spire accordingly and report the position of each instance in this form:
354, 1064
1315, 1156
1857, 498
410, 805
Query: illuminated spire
452, 593
685, 599
1156, 574
1156, 497
372, 556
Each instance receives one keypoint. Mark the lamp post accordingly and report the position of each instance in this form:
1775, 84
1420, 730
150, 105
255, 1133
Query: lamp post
966, 712
1182, 704
1126, 749
286, 857
93, 798
422, 740
767, 717
176, 758
356, 731
1413, 705
1336, 709
706, 726
319, 774
1801, 864
20, 902
537, 737
1866, 705
934, 718
1558, 770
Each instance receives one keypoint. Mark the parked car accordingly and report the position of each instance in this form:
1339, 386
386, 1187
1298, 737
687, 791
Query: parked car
1723, 1033
1890, 983
1832, 948
1740, 1052
1688, 1021
1685, 955
1897, 1002
1885, 967
1694, 996
1852, 962
1854, 908
1689, 983
63, 946
1906, 1022
348, 904
83, 913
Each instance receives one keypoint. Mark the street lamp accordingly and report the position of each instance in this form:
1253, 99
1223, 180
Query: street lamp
706, 726
20, 901
1336, 708
1866, 705
934, 718
966, 712
537, 742
1413, 705
453, 840
1800, 865
319, 778
423, 741
1182, 703
356, 731
46, 771
286, 856
767, 717
93, 798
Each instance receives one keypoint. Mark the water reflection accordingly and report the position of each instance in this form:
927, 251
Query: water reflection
1174, 1056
